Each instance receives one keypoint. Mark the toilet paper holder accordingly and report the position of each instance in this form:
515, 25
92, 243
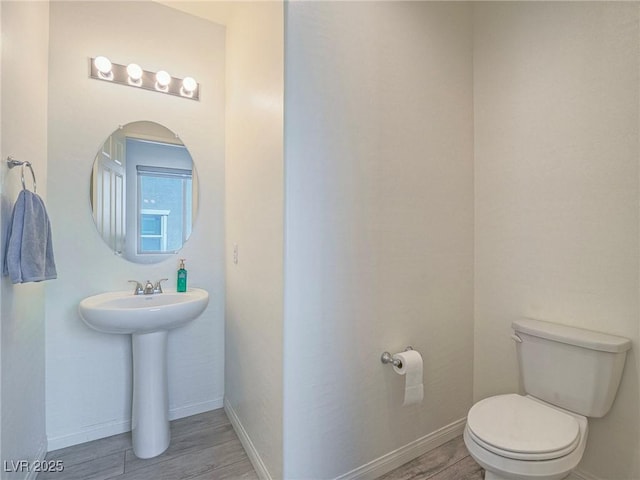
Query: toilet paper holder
388, 358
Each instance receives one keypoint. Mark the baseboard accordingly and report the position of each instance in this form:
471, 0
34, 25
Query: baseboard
39, 460
252, 453
579, 475
195, 409
402, 455
114, 428
86, 435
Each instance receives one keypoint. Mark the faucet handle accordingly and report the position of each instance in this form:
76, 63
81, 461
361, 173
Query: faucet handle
158, 286
139, 290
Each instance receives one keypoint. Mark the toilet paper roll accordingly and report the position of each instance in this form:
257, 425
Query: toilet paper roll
411, 368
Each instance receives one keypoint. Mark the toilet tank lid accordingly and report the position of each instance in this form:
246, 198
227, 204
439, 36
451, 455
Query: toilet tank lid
572, 335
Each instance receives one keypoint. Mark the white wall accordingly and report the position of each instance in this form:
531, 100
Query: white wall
25, 31
255, 222
379, 229
89, 373
3, 219
556, 179
379, 226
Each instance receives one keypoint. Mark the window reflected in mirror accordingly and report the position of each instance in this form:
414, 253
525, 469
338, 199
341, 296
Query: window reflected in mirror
164, 208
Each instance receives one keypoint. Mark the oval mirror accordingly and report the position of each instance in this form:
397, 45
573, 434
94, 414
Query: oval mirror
144, 192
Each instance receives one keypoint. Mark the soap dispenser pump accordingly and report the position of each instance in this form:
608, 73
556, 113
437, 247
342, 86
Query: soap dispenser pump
182, 277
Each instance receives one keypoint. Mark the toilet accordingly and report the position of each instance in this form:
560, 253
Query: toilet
568, 374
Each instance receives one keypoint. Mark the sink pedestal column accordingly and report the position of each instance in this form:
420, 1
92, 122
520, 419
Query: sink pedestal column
150, 406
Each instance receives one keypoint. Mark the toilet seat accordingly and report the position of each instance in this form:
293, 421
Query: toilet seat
522, 428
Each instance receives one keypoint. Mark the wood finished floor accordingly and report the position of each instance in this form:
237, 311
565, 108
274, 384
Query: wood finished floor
205, 447
450, 461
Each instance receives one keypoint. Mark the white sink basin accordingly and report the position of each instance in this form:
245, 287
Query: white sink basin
123, 312
148, 318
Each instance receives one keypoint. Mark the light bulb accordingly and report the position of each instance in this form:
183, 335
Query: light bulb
189, 84
135, 72
163, 78
103, 64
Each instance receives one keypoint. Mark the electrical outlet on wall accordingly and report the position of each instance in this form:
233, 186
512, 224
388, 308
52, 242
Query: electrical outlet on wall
235, 253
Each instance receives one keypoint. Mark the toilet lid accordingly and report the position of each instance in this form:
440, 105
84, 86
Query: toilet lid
523, 426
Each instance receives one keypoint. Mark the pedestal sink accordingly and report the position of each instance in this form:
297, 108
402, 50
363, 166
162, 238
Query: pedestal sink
148, 319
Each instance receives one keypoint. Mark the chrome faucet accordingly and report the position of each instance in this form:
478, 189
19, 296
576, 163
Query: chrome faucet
138, 290
149, 288
158, 287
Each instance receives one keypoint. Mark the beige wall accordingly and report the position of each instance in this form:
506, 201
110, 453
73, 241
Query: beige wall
25, 40
254, 222
556, 193
556, 227
379, 228
380, 202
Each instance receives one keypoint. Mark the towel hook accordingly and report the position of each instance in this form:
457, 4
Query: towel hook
12, 162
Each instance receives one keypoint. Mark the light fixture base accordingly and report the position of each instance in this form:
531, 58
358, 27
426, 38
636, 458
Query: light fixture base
120, 76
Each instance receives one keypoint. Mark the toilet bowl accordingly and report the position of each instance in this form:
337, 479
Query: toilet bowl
568, 374
516, 437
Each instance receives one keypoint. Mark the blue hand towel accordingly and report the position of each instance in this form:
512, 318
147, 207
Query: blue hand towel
29, 251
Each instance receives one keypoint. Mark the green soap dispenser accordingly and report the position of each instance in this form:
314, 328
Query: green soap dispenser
182, 277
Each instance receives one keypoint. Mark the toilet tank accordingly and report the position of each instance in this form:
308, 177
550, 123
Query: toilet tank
570, 367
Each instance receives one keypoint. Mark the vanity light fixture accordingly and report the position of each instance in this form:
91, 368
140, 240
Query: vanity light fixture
163, 80
132, 75
103, 66
135, 74
189, 85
